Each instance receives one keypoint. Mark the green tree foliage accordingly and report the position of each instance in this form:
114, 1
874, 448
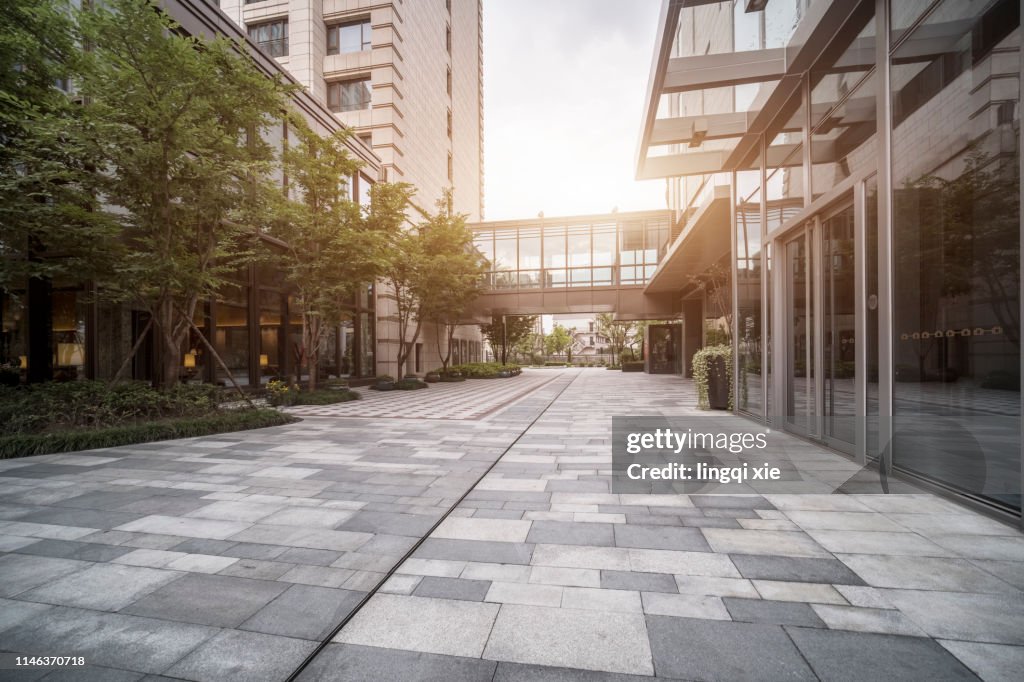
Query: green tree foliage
331, 250
559, 341
617, 332
181, 151
452, 275
49, 223
505, 332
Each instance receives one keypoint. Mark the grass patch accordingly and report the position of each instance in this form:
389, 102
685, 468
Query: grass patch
26, 445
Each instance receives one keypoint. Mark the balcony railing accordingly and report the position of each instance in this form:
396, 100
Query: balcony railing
571, 278
275, 48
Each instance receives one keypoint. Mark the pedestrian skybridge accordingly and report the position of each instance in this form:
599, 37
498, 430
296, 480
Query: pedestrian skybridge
594, 263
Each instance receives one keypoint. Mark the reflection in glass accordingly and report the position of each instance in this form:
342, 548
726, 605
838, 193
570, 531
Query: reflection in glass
839, 329
748, 291
232, 334
956, 236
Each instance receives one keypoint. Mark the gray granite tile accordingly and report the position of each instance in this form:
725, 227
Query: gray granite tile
569, 533
109, 639
234, 656
453, 588
697, 649
304, 611
772, 612
374, 664
104, 587
643, 582
218, 600
476, 550
21, 572
854, 656
799, 569
660, 537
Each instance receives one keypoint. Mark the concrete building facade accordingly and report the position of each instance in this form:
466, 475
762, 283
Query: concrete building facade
407, 78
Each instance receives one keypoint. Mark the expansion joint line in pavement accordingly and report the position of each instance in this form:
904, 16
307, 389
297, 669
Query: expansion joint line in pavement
366, 598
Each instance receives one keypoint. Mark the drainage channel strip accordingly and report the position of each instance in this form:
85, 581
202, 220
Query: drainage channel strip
351, 614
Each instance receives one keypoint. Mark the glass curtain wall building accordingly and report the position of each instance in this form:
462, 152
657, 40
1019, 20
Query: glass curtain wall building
872, 152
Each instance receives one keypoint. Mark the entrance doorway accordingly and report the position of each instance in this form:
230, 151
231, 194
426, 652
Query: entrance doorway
820, 323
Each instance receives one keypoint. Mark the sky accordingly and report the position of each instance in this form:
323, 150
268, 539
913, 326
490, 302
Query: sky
564, 87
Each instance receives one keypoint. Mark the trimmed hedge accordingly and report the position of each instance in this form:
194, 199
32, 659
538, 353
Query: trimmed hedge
25, 445
486, 370
634, 366
410, 384
326, 396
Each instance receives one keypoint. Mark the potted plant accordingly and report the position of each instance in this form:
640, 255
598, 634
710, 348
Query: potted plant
385, 382
432, 377
712, 375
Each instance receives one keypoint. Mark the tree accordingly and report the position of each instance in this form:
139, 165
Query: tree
559, 341
452, 274
616, 332
181, 151
505, 332
50, 225
330, 251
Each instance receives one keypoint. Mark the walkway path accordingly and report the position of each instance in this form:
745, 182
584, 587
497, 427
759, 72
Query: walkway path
232, 557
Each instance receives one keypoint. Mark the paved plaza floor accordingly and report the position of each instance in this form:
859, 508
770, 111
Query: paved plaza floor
234, 557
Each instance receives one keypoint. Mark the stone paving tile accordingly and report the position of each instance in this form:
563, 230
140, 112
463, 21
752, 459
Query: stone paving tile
854, 656
436, 626
453, 588
684, 606
374, 664
884, 621
570, 638
990, 662
795, 569
697, 649
304, 611
116, 640
338, 500
772, 612
235, 656
217, 600
104, 587
924, 573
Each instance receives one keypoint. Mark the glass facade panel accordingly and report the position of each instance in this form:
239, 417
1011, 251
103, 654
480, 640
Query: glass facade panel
604, 244
13, 336
748, 288
578, 245
956, 259
68, 336
505, 249
839, 329
232, 334
271, 350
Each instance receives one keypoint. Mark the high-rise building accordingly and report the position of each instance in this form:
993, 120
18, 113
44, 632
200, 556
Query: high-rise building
407, 77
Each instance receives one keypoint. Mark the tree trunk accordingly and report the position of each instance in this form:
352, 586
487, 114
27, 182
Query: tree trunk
311, 340
167, 372
451, 335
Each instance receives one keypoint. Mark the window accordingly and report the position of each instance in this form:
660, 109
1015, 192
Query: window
449, 124
350, 95
271, 36
448, 39
450, 173
353, 36
449, 82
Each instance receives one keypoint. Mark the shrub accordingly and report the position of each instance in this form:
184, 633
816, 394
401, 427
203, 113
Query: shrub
701, 366
281, 392
54, 407
410, 384
618, 367
485, 370
25, 445
328, 396
633, 366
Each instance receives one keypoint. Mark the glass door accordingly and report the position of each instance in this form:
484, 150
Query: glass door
800, 388
839, 329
